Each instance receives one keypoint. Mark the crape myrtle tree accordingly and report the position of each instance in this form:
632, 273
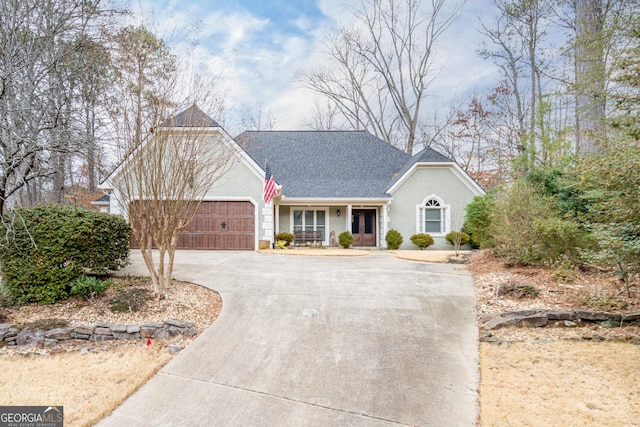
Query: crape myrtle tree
170, 155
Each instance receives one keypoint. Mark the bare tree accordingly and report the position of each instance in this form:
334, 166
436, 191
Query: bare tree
169, 159
325, 116
37, 40
258, 118
382, 67
516, 39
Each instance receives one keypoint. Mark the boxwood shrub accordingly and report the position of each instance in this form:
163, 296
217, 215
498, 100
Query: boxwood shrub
285, 237
45, 249
422, 240
345, 239
394, 239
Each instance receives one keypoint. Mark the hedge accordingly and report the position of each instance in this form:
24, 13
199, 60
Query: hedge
45, 248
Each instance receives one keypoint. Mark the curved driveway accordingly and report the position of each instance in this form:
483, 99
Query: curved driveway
319, 341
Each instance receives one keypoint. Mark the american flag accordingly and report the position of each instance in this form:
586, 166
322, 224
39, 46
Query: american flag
269, 185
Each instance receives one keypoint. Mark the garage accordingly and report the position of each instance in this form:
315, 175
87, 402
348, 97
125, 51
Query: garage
221, 225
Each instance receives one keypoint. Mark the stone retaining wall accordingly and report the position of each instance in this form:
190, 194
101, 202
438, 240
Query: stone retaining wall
539, 318
11, 336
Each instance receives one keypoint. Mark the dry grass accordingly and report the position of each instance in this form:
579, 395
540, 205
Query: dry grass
564, 383
88, 385
91, 379
426, 255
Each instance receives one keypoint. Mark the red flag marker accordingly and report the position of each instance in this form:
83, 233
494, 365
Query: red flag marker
148, 342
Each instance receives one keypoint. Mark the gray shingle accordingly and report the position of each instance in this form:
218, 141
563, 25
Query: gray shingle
191, 117
331, 164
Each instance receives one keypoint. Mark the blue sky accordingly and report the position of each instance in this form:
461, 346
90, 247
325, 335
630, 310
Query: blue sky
258, 46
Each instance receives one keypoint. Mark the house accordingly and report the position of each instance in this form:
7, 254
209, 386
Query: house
102, 204
328, 182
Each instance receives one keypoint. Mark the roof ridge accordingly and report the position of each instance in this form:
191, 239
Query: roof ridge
303, 130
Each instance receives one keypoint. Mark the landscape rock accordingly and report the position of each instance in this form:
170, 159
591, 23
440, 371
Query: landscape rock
631, 317
27, 337
99, 330
100, 338
174, 349
189, 332
58, 334
118, 328
525, 320
147, 331
178, 323
162, 334
77, 336
102, 331
126, 335
560, 315
155, 325
534, 321
173, 330
50, 342
592, 315
84, 329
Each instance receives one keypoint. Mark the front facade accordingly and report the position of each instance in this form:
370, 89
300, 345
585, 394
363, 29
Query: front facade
328, 182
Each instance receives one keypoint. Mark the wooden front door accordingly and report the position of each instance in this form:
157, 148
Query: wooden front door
363, 227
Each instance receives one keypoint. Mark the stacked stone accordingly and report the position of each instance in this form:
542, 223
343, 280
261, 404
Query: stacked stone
9, 334
538, 318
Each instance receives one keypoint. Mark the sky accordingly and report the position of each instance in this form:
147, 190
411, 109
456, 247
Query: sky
258, 46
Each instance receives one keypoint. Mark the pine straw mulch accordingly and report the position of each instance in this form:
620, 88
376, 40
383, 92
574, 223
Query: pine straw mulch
501, 288
129, 301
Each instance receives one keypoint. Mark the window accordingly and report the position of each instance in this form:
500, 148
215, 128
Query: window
310, 220
433, 216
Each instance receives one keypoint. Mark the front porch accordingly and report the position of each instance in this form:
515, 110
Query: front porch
322, 224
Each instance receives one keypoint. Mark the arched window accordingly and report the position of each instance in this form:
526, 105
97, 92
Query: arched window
433, 216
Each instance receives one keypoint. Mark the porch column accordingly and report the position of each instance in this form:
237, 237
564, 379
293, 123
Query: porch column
267, 222
348, 217
385, 224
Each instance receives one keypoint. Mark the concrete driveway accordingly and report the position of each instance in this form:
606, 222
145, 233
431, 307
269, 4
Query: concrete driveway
320, 341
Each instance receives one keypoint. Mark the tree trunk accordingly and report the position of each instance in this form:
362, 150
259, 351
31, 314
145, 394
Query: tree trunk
589, 74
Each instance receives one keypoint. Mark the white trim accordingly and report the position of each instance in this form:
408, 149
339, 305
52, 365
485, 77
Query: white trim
445, 220
327, 219
456, 169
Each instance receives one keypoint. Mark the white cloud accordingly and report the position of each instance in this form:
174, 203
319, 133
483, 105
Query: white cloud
258, 56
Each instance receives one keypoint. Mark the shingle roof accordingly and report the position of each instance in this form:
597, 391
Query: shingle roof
332, 164
191, 117
102, 200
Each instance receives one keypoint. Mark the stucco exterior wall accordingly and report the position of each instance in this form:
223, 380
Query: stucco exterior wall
425, 181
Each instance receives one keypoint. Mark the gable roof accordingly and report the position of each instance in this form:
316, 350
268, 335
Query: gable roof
191, 117
428, 155
326, 164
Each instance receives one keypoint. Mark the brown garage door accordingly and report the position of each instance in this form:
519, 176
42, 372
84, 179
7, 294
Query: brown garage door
220, 225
